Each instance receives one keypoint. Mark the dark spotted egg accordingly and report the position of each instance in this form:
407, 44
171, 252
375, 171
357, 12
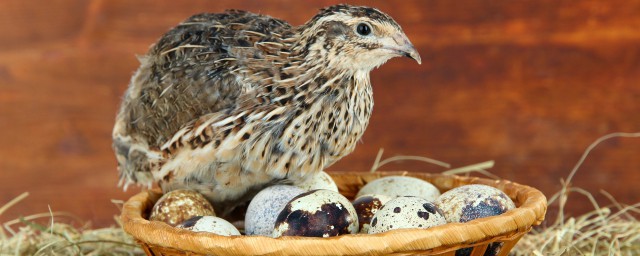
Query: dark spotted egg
366, 206
210, 224
471, 202
406, 212
179, 205
317, 213
395, 186
265, 206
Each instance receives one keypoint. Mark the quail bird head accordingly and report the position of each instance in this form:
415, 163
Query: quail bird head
228, 103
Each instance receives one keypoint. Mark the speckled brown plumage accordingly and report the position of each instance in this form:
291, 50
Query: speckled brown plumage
228, 102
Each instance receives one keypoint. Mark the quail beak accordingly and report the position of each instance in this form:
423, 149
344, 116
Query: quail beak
403, 47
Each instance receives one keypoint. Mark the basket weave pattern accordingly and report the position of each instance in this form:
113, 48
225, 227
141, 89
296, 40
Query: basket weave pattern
158, 238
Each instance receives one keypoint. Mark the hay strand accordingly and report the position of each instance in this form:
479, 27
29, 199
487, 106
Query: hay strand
379, 163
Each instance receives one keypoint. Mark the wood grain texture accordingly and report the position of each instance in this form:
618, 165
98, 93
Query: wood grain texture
529, 84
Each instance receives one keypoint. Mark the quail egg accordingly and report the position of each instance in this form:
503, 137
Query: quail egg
179, 205
366, 206
322, 180
265, 207
395, 186
471, 202
210, 224
406, 212
474, 201
317, 213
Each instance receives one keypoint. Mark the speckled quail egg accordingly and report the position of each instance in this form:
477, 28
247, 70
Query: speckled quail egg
471, 202
265, 206
366, 206
322, 180
210, 224
179, 205
317, 213
406, 212
395, 186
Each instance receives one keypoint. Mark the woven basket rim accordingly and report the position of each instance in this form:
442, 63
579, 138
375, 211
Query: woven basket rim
530, 211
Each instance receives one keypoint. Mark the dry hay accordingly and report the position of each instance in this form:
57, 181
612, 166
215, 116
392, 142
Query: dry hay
604, 231
59, 238
611, 230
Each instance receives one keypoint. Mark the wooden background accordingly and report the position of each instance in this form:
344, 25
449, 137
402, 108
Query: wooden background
529, 84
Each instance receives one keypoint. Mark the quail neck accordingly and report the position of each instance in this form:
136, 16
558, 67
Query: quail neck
228, 103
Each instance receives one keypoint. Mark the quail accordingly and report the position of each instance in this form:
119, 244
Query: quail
227, 103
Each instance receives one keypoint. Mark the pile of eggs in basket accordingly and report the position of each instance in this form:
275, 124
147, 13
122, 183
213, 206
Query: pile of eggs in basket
316, 209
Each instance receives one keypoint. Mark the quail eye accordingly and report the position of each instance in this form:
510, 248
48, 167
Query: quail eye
363, 29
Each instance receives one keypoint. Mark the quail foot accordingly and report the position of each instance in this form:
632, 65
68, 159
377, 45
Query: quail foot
227, 103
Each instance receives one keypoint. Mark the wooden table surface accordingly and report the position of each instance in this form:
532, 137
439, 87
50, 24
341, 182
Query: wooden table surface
529, 84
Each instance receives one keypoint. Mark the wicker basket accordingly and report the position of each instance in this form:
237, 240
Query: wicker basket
158, 238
